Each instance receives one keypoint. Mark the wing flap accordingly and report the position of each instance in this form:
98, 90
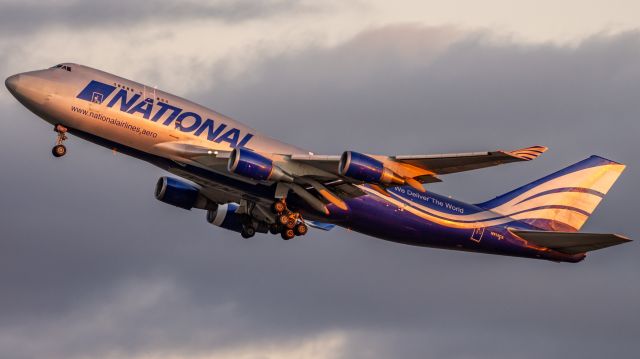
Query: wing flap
571, 242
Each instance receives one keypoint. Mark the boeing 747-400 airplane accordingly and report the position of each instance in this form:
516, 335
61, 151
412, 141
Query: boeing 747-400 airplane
247, 182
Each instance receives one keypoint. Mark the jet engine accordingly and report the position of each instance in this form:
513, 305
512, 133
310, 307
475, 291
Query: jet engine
366, 169
247, 163
181, 194
225, 216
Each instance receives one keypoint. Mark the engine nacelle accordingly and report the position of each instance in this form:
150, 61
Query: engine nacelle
225, 216
181, 194
366, 169
253, 165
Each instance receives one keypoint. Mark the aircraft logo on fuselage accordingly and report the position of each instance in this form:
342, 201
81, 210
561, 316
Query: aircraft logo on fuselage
98, 92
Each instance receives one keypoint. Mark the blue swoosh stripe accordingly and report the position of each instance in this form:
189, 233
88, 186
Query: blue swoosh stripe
569, 208
549, 225
565, 189
552, 206
591, 162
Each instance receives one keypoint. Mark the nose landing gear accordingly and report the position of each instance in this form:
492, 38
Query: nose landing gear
59, 149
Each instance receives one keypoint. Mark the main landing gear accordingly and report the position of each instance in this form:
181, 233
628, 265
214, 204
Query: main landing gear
289, 224
59, 149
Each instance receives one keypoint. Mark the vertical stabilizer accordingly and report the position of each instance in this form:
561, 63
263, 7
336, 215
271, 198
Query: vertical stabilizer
562, 201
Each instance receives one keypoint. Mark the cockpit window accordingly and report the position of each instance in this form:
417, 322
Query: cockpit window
60, 66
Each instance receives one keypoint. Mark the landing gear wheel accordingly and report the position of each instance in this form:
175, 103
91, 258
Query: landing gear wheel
301, 229
287, 234
248, 232
275, 228
278, 207
291, 223
283, 219
59, 150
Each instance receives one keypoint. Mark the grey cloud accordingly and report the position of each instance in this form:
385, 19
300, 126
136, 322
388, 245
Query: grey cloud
20, 18
91, 264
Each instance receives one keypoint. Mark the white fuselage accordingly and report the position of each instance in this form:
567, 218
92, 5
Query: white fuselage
133, 114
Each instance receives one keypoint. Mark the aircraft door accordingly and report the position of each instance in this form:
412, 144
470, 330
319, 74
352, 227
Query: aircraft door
477, 233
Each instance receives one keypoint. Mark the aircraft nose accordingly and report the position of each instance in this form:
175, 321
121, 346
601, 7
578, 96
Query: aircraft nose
32, 88
12, 82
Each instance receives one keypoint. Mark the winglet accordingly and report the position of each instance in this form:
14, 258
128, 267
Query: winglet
528, 153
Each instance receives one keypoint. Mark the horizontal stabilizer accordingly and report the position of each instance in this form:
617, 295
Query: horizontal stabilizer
571, 242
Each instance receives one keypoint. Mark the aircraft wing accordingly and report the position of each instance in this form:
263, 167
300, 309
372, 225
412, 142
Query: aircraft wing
425, 168
309, 175
460, 162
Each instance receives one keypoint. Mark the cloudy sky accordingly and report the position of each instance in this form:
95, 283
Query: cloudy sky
92, 266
